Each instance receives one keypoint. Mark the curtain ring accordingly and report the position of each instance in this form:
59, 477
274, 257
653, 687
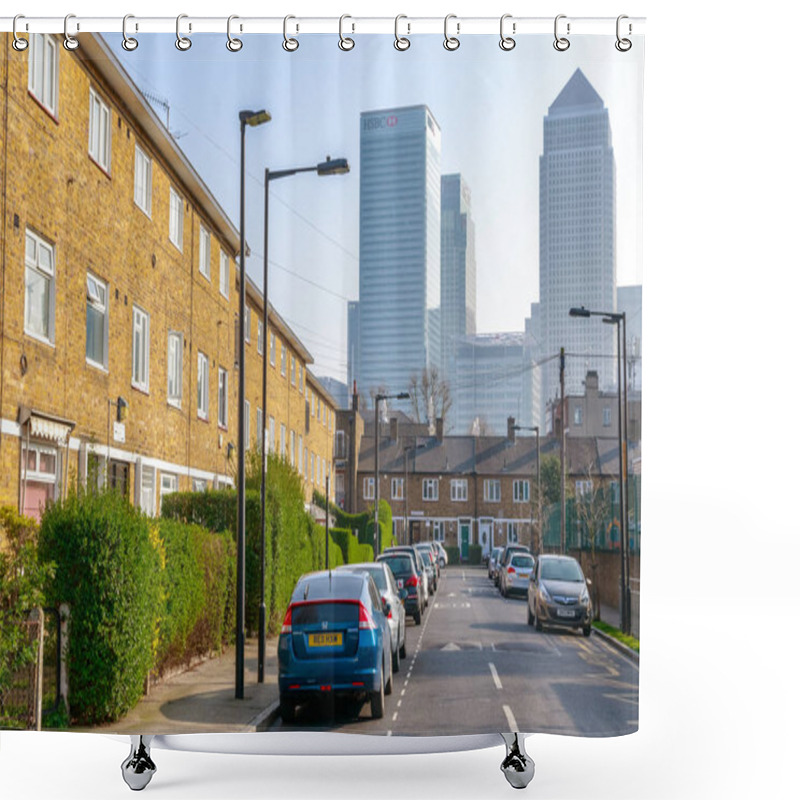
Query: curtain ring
345, 43
400, 42
623, 45
561, 43
70, 42
183, 43
128, 42
506, 42
233, 44
290, 45
18, 44
451, 42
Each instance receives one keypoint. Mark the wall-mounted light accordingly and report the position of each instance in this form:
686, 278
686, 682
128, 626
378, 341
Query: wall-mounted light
122, 409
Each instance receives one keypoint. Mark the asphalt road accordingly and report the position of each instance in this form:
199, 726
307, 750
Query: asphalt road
475, 666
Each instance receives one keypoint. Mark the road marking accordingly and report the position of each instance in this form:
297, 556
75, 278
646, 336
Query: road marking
512, 723
388, 733
402, 693
394, 718
495, 676
399, 703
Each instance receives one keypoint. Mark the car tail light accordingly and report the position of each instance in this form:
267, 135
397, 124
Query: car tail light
412, 581
365, 621
511, 571
287, 621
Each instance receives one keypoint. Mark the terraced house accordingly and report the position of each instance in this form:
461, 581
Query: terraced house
118, 312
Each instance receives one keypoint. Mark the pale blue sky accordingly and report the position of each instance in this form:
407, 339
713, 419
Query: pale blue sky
490, 105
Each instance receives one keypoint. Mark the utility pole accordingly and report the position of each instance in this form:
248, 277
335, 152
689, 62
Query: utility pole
563, 456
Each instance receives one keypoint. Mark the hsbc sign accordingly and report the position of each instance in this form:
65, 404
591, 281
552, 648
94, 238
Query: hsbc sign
375, 123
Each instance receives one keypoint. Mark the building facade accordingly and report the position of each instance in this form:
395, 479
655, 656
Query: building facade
119, 310
577, 264
629, 301
399, 247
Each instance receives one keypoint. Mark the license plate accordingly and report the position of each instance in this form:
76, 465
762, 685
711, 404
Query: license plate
324, 639
399, 584
565, 612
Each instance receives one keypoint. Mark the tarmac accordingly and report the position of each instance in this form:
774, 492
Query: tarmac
202, 699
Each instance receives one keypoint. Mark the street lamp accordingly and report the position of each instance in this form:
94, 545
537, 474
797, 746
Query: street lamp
246, 119
377, 531
618, 319
535, 429
338, 166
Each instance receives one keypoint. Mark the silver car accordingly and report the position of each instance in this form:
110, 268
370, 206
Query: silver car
442, 553
391, 597
558, 594
516, 575
493, 560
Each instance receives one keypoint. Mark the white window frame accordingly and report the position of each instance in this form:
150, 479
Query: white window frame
430, 489
222, 398
459, 490
271, 429
512, 533
246, 424
147, 489
199, 484
293, 371
98, 301
140, 367
224, 274
176, 218
175, 368
438, 528
272, 346
583, 487
204, 263
606, 417
491, 490
522, 490
260, 428
578, 415
260, 337
292, 444
34, 265
247, 324
202, 385
369, 488
398, 488
283, 440
143, 181
168, 485
283, 360
99, 130
43, 70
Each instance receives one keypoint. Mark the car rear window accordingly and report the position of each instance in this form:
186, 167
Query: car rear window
522, 561
399, 565
378, 575
316, 613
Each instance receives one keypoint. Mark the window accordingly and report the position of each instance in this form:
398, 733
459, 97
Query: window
174, 368
438, 530
606, 417
169, 485
522, 491
583, 488
313, 470
175, 219
430, 489
260, 340
142, 180
291, 447
260, 428
247, 323
246, 424
283, 441
140, 377
205, 253
491, 491
40, 472
202, 385
224, 274
147, 490
513, 532
458, 489
40, 296
300, 378
294, 370
199, 485
369, 488
222, 414
271, 442
96, 322
99, 131
43, 70
398, 488
272, 349
300, 454
283, 361
579, 415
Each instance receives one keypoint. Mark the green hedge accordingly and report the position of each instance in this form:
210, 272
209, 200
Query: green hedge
453, 555
475, 554
108, 569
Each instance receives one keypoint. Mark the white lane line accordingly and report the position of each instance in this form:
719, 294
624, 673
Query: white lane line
399, 703
394, 718
402, 693
512, 723
495, 676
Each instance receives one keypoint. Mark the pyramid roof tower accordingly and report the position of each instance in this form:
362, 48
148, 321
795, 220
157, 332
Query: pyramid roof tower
578, 93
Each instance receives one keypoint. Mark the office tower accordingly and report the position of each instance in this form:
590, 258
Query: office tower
576, 238
458, 268
399, 267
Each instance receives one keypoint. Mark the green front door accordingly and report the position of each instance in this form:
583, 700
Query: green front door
464, 541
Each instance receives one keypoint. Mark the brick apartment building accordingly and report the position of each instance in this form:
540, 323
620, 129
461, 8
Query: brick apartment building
119, 303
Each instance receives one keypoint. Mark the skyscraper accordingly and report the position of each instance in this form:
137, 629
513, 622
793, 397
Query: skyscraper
576, 237
458, 268
399, 268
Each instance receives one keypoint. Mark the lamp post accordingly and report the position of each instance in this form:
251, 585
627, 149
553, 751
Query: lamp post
535, 429
246, 119
338, 166
377, 531
618, 319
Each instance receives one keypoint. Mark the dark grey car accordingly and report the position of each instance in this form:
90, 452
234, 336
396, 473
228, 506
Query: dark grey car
558, 594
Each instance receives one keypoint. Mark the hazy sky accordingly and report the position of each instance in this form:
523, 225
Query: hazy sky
490, 105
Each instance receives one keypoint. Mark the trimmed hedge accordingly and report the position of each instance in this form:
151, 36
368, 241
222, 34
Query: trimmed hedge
364, 524
453, 555
475, 554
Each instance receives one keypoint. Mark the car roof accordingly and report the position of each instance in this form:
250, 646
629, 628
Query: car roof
329, 584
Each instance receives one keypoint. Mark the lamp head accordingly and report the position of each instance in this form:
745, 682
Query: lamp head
337, 166
253, 118
579, 312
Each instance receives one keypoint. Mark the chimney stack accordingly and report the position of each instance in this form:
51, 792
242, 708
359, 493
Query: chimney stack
439, 428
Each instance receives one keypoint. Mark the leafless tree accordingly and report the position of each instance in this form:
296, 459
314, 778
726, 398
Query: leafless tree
430, 397
591, 507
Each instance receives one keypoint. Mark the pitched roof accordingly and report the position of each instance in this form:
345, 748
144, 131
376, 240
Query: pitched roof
578, 92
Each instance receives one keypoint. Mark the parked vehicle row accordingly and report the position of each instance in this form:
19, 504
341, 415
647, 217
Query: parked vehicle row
344, 632
555, 587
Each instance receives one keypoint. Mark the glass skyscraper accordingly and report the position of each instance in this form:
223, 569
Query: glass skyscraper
399, 251
577, 238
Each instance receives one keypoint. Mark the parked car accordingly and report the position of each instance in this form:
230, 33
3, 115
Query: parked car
558, 594
442, 553
394, 598
425, 573
505, 557
493, 559
404, 569
335, 640
430, 560
515, 577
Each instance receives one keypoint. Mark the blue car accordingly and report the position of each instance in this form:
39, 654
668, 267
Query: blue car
335, 640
